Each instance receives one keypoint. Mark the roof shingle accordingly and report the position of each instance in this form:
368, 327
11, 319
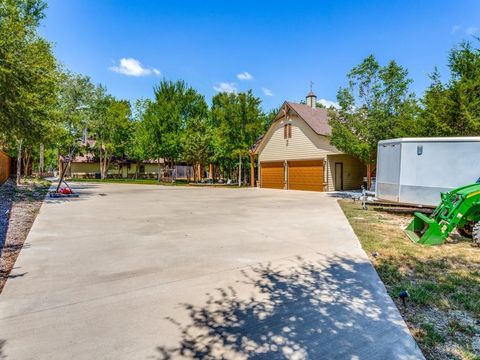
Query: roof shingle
316, 118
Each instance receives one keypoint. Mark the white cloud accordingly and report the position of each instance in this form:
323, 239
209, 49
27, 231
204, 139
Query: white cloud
456, 28
226, 87
472, 30
328, 103
245, 76
133, 67
267, 92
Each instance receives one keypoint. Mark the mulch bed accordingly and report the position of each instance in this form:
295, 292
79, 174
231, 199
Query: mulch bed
19, 207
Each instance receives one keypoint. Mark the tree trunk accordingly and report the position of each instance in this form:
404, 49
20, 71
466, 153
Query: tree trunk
174, 170
369, 176
252, 169
105, 163
19, 161
240, 170
159, 169
59, 161
26, 160
41, 164
101, 165
244, 173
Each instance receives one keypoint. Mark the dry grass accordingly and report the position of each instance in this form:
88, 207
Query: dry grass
19, 207
443, 310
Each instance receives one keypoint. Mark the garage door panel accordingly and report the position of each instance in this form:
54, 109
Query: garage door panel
272, 175
305, 175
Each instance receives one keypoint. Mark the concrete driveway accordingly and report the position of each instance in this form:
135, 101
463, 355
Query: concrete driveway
151, 272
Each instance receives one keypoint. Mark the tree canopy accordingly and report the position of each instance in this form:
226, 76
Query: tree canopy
376, 105
453, 108
166, 117
27, 74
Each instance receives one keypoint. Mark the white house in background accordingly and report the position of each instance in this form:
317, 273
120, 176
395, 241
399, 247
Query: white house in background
416, 170
296, 154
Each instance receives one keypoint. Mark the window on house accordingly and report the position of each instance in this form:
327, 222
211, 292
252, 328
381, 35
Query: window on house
287, 131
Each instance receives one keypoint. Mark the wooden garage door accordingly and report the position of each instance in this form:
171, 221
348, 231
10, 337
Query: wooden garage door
305, 175
272, 175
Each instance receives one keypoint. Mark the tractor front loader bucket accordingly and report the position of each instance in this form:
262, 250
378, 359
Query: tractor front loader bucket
425, 230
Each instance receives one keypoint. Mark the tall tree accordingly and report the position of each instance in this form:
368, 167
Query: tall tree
76, 103
435, 111
453, 109
111, 127
237, 120
197, 145
166, 117
376, 105
27, 73
138, 148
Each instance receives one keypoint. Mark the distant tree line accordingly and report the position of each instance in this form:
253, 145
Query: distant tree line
45, 109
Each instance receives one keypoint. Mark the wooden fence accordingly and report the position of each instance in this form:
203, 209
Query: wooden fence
5, 167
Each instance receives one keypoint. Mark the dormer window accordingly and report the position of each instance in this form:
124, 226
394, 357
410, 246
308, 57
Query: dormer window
287, 131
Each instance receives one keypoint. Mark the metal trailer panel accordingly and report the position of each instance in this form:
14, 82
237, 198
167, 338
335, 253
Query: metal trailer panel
388, 171
428, 166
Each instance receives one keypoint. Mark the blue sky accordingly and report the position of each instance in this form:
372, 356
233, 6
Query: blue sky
278, 46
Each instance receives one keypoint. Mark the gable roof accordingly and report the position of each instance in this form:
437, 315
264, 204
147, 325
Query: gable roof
316, 118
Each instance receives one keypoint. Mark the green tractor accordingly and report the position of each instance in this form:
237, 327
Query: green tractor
460, 209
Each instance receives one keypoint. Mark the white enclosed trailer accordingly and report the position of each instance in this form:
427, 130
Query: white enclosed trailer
416, 170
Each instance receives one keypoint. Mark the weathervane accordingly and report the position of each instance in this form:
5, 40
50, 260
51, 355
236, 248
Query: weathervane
311, 85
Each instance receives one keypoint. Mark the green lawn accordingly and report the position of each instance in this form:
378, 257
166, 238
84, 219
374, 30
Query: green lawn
443, 282
131, 181
151, 182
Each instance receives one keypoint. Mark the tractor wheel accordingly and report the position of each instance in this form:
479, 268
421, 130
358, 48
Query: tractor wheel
467, 229
476, 234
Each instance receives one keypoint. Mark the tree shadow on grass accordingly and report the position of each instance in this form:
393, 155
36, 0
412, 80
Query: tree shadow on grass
336, 309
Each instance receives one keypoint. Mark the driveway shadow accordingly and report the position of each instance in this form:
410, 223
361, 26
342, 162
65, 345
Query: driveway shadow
2, 344
328, 310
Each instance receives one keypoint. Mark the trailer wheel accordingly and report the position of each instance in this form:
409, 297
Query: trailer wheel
476, 234
467, 230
